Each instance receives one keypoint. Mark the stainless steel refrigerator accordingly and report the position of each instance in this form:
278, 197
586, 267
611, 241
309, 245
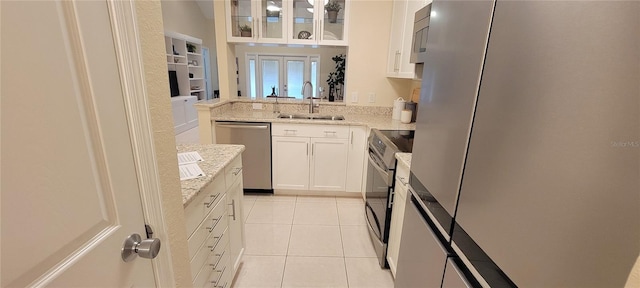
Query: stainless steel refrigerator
526, 160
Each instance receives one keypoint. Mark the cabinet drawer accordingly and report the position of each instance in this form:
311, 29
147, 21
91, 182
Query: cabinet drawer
203, 204
209, 252
310, 130
220, 276
402, 175
214, 223
233, 171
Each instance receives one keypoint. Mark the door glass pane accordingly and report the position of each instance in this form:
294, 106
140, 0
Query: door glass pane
252, 78
295, 78
302, 19
270, 76
272, 24
334, 21
314, 76
241, 20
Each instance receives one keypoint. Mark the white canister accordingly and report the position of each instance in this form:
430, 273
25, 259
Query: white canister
405, 116
398, 106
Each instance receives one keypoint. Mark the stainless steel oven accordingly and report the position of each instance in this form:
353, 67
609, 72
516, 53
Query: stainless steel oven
383, 145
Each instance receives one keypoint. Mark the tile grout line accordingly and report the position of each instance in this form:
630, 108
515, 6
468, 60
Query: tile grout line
344, 254
286, 254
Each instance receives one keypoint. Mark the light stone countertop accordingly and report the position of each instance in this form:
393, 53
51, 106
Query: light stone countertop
372, 121
404, 158
216, 157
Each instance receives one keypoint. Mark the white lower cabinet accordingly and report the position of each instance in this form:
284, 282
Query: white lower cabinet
397, 216
185, 115
356, 159
314, 157
328, 164
215, 229
290, 166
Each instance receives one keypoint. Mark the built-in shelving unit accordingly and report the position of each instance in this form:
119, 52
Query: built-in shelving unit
184, 55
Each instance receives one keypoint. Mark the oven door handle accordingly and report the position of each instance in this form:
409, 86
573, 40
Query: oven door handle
384, 172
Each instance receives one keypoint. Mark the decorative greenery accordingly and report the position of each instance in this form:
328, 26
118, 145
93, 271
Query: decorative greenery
336, 78
332, 6
245, 28
191, 48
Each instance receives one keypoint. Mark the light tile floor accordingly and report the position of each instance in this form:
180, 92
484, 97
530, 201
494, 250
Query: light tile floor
298, 241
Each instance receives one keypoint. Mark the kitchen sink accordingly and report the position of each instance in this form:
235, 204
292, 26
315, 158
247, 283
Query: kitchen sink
311, 117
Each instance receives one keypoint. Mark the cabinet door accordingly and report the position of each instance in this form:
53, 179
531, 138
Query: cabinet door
333, 29
406, 69
356, 159
271, 15
179, 118
290, 162
302, 22
236, 225
241, 14
328, 164
191, 116
395, 230
397, 36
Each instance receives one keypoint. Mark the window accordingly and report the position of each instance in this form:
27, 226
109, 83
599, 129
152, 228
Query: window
281, 74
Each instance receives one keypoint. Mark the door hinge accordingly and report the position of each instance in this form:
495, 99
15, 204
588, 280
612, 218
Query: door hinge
149, 231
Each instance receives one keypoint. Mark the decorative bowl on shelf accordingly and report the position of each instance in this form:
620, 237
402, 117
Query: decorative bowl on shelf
304, 35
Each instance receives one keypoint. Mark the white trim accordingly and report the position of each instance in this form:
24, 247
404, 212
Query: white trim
127, 45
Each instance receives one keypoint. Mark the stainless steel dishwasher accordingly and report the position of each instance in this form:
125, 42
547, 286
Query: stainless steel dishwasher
256, 158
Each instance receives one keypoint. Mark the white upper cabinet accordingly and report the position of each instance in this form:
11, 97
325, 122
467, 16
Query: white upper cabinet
316, 22
256, 21
398, 65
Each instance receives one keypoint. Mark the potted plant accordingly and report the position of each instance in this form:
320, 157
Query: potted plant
332, 8
191, 48
245, 30
336, 78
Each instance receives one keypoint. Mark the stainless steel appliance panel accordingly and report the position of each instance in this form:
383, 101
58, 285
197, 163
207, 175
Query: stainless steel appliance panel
453, 276
420, 35
550, 189
422, 258
256, 158
377, 212
457, 40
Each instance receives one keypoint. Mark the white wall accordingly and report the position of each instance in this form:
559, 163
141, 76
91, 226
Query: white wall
186, 17
326, 64
149, 17
368, 49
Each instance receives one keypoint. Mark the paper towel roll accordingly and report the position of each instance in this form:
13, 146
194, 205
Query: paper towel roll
405, 116
398, 106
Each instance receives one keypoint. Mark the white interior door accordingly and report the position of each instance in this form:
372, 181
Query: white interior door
70, 194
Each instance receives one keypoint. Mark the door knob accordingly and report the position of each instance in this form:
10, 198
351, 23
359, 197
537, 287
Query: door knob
135, 246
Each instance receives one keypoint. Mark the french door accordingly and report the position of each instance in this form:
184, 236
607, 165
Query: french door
284, 75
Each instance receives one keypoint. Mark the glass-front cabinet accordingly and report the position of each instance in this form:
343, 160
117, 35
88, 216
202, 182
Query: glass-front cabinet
321, 22
256, 21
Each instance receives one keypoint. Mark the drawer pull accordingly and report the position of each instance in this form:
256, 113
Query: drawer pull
402, 181
233, 207
293, 131
212, 247
330, 132
219, 277
215, 223
237, 171
217, 262
213, 200
223, 286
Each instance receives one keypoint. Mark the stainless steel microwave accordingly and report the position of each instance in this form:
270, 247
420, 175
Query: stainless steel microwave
420, 33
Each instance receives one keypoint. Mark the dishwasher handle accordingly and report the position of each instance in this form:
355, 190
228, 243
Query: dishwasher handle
236, 126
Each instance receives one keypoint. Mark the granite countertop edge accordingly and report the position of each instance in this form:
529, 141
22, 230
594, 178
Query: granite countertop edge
371, 121
405, 158
216, 158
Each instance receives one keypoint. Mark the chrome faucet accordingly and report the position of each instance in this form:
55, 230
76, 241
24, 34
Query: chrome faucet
304, 85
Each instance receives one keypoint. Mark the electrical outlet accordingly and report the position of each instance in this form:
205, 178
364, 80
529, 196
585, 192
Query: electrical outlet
372, 97
354, 96
257, 106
